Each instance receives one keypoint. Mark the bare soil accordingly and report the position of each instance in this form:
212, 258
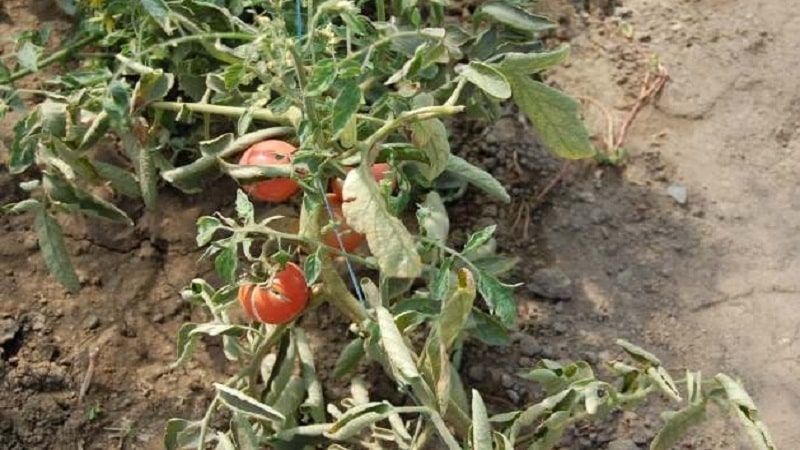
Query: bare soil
710, 284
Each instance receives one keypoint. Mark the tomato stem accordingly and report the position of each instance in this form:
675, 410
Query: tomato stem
263, 114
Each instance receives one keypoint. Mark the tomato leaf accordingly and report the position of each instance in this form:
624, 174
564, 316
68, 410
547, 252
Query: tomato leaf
365, 210
357, 418
530, 63
481, 428
244, 207
430, 137
489, 79
121, 180
456, 309
22, 207
513, 17
440, 285
479, 238
554, 115
346, 104
348, 360
159, 11
321, 78
227, 261
54, 250
677, 423
23, 147
433, 219
151, 86
312, 267
181, 433
395, 348
245, 404
64, 192
639, 354
746, 412
498, 297
477, 177
487, 329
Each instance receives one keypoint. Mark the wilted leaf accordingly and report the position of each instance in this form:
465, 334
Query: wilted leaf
430, 136
206, 227
181, 434
245, 404
554, 115
664, 381
477, 177
22, 207
638, 354
677, 424
366, 212
151, 86
489, 79
355, 419
121, 180
456, 309
244, 207
395, 348
54, 250
746, 412
28, 56
530, 63
549, 433
481, 429
433, 219
479, 238
440, 285
513, 17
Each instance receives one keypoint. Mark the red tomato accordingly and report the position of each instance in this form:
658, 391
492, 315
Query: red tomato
279, 302
270, 153
351, 239
379, 172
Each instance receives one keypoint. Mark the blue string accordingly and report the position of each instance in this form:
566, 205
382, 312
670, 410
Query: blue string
298, 18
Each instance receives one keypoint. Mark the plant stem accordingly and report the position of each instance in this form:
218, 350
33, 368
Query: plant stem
220, 110
427, 112
201, 440
60, 54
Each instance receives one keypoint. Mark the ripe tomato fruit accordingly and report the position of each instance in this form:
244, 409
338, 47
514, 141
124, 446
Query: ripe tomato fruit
351, 239
270, 153
379, 172
278, 302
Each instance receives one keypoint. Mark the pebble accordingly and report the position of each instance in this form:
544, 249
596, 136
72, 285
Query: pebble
513, 396
506, 380
529, 346
551, 283
622, 444
30, 242
476, 373
91, 323
678, 193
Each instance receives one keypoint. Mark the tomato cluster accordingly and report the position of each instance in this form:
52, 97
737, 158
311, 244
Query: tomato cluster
286, 295
279, 301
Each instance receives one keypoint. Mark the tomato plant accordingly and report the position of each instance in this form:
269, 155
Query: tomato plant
270, 153
193, 84
279, 300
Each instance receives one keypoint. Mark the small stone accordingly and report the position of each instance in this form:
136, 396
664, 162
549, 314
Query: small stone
622, 444
506, 380
476, 373
560, 328
529, 346
30, 242
678, 193
551, 283
513, 396
8, 330
158, 318
91, 323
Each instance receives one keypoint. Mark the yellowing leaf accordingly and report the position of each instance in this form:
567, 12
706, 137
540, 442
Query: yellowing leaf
365, 211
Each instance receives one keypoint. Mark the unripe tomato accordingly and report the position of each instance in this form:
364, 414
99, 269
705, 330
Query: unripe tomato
351, 239
280, 301
270, 153
379, 172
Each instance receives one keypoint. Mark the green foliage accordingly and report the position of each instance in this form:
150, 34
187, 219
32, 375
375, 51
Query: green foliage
195, 83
